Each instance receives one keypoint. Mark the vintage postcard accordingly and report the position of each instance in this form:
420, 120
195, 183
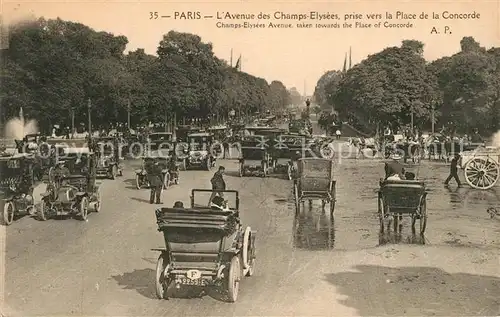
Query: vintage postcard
250, 158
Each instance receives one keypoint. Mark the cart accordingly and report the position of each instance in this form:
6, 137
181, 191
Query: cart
398, 198
16, 186
254, 156
481, 167
204, 247
314, 182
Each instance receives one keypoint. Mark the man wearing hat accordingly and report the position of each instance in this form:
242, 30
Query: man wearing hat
155, 178
393, 168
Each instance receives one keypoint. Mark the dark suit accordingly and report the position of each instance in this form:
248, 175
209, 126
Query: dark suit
155, 179
394, 167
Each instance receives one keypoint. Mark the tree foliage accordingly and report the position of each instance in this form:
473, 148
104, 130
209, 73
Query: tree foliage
462, 90
52, 67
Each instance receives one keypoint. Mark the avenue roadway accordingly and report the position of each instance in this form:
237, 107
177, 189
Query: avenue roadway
105, 267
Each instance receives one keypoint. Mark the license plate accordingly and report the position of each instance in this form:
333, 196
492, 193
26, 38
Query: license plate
197, 282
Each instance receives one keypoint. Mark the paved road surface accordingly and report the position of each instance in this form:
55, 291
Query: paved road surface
104, 266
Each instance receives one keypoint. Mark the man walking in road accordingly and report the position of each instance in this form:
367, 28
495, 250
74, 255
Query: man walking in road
155, 179
218, 184
454, 170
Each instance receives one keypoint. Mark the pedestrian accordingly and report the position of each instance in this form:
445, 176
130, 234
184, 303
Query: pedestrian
218, 184
454, 170
338, 133
393, 168
225, 149
155, 178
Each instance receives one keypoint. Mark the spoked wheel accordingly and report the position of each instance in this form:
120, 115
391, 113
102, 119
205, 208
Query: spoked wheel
84, 208
296, 199
482, 172
43, 209
240, 170
289, 172
208, 162
264, 169
183, 165
248, 252
381, 213
162, 276
113, 172
423, 217
233, 279
97, 202
8, 213
138, 181
166, 181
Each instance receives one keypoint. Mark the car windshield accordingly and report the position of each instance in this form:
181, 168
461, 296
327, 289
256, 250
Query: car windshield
199, 143
201, 199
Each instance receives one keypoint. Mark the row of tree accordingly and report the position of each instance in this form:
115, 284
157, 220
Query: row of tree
461, 92
52, 67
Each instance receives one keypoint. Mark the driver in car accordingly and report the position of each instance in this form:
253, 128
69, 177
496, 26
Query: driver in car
218, 203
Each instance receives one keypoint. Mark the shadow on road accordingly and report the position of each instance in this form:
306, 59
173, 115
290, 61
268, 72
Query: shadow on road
420, 291
130, 183
143, 281
140, 200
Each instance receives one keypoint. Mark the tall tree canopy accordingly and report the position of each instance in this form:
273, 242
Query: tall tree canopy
460, 90
52, 67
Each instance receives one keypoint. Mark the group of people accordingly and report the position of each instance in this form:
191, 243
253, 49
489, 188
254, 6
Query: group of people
394, 170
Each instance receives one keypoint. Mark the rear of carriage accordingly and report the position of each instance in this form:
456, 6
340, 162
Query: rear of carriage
254, 156
402, 198
315, 181
204, 247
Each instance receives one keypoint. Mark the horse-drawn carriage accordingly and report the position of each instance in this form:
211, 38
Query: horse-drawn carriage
254, 156
481, 167
72, 189
288, 148
170, 171
398, 198
205, 247
314, 182
16, 186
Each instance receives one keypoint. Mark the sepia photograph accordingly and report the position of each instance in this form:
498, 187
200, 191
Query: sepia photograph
249, 158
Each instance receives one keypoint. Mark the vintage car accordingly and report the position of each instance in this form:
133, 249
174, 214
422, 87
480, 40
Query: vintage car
199, 152
170, 175
72, 191
35, 144
108, 157
254, 156
204, 247
182, 132
160, 140
16, 186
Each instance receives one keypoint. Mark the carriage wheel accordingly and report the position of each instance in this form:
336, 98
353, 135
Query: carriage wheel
381, 213
138, 181
423, 217
240, 170
296, 199
42, 211
113, 172
264, 169
166, 181
8, 213
482, 173
84, 208
233, 279
162, 276
97, 202
289, 172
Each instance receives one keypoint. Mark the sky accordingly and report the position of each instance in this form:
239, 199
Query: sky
296, 56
